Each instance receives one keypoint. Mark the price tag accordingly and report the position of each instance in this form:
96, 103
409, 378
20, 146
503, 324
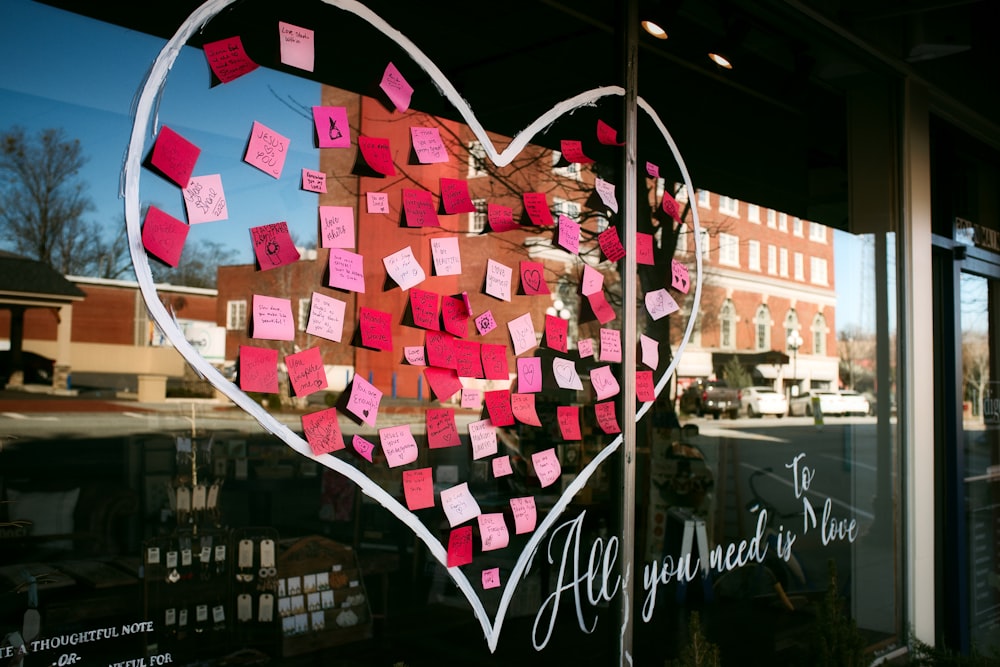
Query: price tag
171, 559
219, 613
267, 553
153, 555
170, 617
182, 618
201, 613
245, 556
220, 553
183, 499
244, 607
213, 497
199, 497
185, 557
206, 555
265, 611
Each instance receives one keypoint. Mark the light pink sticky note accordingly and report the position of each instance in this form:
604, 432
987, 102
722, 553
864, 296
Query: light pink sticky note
375, 327
414, 355
659, 303
611, 345
652, 170
418, 488
493, 531
347, 270
258, 369
205, 200
607, 135
680, 279
428, 146
524, 513
604, 382
529, 375
364, 400
163, 236
498, 279
459, 504
313, 181
363, 447
500, 218
332, 128
398, 445
592, 282
472, 399
533, 278
568, 417
645, 389
585, 346
602, 309
336, 227
272, 318
522, 334
650, 351
419, 209
501, 466
572, 151
523, 407
460, 546
174, 156
606, 191
536, 205
305, 371
403, 267
396, 88
266, 150
483, 438
569, 234
376, 153
491, 578
606, 417
447, 259
644, 249
322, 431
273, 245
377, 202
485, 323
547, 467
326, 317
298, 46
455, 196
228, 59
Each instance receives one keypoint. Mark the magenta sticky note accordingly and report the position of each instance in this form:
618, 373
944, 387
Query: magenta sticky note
205, 200
493, 531
495, 366
546, 465
523, 407
485, 323
611, 345
377, 155
611, 245
572, 151
568, 417
645, 390
364, 400
607, 135
266, 150
468, 362
671, 207
363, 447
498, 407
652, 170
537, 207
377, 202
332, 128
491, 578
258, 369
427, 145
174, 156
313, 181
273, 245
396, 88
460, 546
601, 308
524, 513
442, 431
336, 227
501, 466
272, 318
500, 218
556, 333
163, 236
326, 317
440, 349
306, 372
455, 196
606, 418
298, 46
347, 270
398, 445
322, 431
680, 279
228, 59
444, 382
604, 382
568, 234
418, 488
376, 328
424, 309
533, 278
419, 209
529, 375
455, 316
644, 249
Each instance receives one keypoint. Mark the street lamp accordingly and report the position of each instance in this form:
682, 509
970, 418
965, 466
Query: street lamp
794, 341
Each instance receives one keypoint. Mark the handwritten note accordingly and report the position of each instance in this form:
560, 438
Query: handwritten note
498, 406
493, 531
485, 323
205, 200
447, 259
455, 196
592, 281
529, 375
659, 303
414, 355
645, 390
163, 236
468, 362
396, 88
524, 513
377, 202
322, 431
652, 170
523, 406
273, 245
568, 417
444, 382
306, 372
611, 245
174, 156
483, 439
428, 146
650, 351
644, 249
266, 150
564, 371
363, 447
332, 128
441, 428
364, 400
585, 346
601, 308
418, 488
522, 334
228, 59
459, 504
258, 369
404, 268
491, 578
313, 181
424, 309
569, 234
377, 155
557, 333
533, 278
500, 218
611, 345
419, 209
297, 46
455, 316
572, 151
606, 418
472, 399
440, 349
607, 135
604, 382
537, 207
398, 445
494, 356
336, 227
376, 328
498, 279
326, 317
501, 466
606, 191
272, 318
460, 546
680, 279
671, 207
546, 465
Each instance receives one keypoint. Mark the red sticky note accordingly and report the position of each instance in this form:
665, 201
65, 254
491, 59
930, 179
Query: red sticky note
424, 308
418, 488
363, 447
306, 372
644, 249
680, 278
322, 431
332, 128
468, 362
568, 417
556, 333
671, 207
376, 154
500, 218
441, 428
258, 369
572, 151
645, 390
418, 209
537, 208
607, 135
455, 196
174, 156
495, 365
266, 150
606, 417
523, 407
228, 59
273, 245
440, 349
533, 278
498, 407
163, 236
376, 328
611, 245
602, 309
460, 546
455, 316
443, 382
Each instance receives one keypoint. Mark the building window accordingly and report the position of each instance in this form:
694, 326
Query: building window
570, 170
819, 332
791, 326
727, 325
783, 262
753, 213
817, 232
682, 192
800, 267
782, 222
704, 199
236, 315
477, 160
797, 226
477, 219
729, 206
817, 271
762, 328
772, 260
772, 219
753, 255
602, 222
304, 305
682, 243
729, 249
705, 244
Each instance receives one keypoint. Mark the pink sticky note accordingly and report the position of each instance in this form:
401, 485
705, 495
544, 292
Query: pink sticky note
491, 578
482, 438
441, 428
174, 156
404, 268
444, 382
272, 318
500, 218
298, 46
524, 513
606, 191
446, 256
460, 546
493, 531
611, 245
228, 59
650, 351
163, 236
418, 488
377, 155
428, 146
568, 417
347, 270
680, 279
376, 328
396, 88
363, 447
455, 196
523, 407
556, 333
522, 334
322, 431
419, 209
468, 362
472, 399
607, 135
564, 371
592, 282
455, 316
644, 249
671, 207
606, 418
377, 202
501, 466
273, 245
332, 128
485, 323
494, 357
498, 407
611, 345
572, 151
498, 279
414, 355
569, 234
336, 227
533, 278
645, 390
266, 150
258, 369
305, 371
398, 445
440, 349
459, 504
424, 309
602, 309
585, 346
604, 382
537, 208
313, 181
205, 200
326, 317
652, 170
659, 303
364, 399
546, 465
529, 375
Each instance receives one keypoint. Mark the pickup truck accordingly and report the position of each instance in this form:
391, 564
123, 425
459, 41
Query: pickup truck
711, 397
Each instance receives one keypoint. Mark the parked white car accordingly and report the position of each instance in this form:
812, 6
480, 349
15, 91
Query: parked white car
759, 401
830, 402
853, 403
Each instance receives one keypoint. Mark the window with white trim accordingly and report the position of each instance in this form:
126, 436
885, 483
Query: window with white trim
570, 209
682, 192
570, 170
762, 328
478, 218
727, 325
729, 249
753, 255
782, 222
477, 160
817, 271
753, 213
800, 267
704, 199
236, 315
797, 226
772, 260
791, 326
783, 262
304, 305
817, 232
682, 243
705, 244
772, 218
729, 206
819, 333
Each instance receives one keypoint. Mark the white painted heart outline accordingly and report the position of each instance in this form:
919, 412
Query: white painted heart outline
147, 101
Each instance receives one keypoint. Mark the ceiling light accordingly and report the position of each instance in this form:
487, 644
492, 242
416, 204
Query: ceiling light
719, 58
654, 29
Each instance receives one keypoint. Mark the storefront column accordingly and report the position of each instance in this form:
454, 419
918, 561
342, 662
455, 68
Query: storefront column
63, 362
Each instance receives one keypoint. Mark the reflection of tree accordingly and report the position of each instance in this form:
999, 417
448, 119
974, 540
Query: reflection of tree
857, 350
975, 365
